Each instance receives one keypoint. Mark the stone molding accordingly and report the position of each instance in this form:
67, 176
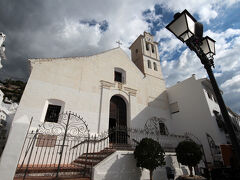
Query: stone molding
131, 91
106, 84
119, 86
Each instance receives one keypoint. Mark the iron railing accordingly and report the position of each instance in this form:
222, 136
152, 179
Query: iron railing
57, 145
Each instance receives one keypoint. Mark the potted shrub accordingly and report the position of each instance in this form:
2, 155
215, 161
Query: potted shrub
149, 154
189, 153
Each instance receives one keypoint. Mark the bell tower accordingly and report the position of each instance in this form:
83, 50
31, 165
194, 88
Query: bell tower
144, 52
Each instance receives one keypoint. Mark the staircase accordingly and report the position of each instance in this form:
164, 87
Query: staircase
79, 169
91, 159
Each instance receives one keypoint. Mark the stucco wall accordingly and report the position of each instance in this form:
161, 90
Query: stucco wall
122, 165
195, 113
86, 85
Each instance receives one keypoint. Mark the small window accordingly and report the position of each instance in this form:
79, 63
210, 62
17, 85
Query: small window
214, 98
153, 48
118, 76
220, 121
147, 46
52, 113
163, 128
136, 51
155, 66
149, 64
209, 95
174, 107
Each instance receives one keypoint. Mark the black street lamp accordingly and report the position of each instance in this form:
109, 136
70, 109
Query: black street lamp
188, 30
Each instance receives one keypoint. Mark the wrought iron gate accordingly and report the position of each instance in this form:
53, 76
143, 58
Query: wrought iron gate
58, 146
53, 145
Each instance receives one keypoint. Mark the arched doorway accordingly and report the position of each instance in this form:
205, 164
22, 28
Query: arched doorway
118, 120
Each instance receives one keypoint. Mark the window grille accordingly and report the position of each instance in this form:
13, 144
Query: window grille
52, 113
163, 129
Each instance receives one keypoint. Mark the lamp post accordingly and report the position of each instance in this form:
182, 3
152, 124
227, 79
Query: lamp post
189, 31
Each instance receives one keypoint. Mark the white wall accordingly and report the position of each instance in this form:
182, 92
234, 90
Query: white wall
86, 85
12, 150
195, 113
122, 165
1, 97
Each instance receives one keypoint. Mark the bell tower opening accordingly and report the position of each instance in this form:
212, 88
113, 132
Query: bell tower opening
117, 121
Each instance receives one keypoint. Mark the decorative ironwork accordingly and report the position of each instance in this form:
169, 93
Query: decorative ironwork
215, 150
156, 125
72, 124
58, 145
51, 145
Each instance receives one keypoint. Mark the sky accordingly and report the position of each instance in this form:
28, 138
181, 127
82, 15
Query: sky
60, 28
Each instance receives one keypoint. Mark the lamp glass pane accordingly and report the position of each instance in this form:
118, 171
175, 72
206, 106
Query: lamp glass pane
186, 36
179, 26
191, 24
204, 46
212, 46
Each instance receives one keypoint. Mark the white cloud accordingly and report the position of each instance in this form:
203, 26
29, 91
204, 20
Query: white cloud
231, 89
206, 13
227, 49
183, 68
205, 9
227, 63
232, 85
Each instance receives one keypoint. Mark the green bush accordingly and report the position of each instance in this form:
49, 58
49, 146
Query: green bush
189, 153
149, 154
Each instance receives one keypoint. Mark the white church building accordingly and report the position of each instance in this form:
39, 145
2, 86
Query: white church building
88, 85
109, 91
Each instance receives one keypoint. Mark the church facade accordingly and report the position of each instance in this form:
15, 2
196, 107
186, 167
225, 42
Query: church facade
107, 89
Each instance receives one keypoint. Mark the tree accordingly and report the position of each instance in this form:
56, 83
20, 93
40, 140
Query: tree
188, 153
149, 154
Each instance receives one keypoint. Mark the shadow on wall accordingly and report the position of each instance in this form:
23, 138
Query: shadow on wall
120, 166
156, 107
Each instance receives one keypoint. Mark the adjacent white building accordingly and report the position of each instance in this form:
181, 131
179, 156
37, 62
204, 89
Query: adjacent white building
2, 47
194, 110
7, 112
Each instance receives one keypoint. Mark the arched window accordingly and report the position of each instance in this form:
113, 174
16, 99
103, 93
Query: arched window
153, 50
147, 46
155, 66
156, 124
149, 64
163, 128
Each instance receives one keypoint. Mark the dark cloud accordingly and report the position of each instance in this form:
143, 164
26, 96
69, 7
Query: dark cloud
35, 29
103, 25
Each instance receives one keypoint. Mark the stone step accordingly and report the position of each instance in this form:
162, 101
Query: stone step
79, 161
66, 172
75, 170
91, 157
52, 178
47, 169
